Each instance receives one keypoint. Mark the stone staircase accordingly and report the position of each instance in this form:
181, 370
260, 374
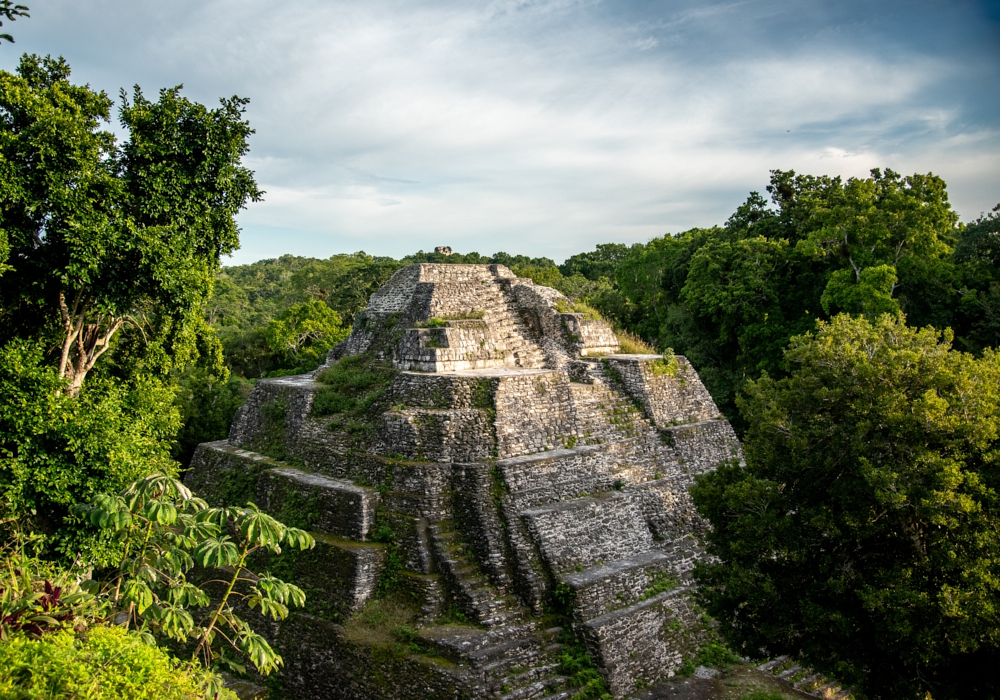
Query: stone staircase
523, 349
805, 680
472, 592
517, 662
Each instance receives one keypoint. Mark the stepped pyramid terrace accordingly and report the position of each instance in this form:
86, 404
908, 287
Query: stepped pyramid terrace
491, 486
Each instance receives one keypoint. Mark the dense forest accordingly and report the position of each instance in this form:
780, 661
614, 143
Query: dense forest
846, 327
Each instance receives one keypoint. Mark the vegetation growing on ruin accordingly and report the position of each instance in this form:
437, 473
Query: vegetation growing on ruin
352, 385
666, 365
579, 669
384, 623
660, 582
631, 344
442, 321
567, 306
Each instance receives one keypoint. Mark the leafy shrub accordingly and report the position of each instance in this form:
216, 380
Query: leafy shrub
666, 365
101, 663
713, 653
164, 531
353, 385
207, 406
304, 333
579, 669
37, 596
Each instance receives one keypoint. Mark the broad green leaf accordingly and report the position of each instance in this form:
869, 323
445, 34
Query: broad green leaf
139, 593
161, 511
216, 552
260, 528
299, 538
260, 653
176, 622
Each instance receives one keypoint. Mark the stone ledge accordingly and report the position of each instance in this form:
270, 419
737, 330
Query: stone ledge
616, 615
337, 506
549, 455
642, 643
585, 531
618, 584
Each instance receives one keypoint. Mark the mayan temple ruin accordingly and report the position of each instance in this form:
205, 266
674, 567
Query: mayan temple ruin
481, 452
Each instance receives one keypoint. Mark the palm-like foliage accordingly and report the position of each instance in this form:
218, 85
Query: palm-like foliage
164, 531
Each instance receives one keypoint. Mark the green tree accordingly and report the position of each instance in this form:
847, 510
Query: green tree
978, 255
862, 533
103, 663
304, 333
207, 403
598, 263
731, 297
106, 237
163, 531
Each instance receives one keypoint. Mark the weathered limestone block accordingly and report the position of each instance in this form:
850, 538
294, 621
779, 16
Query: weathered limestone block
452, 390
667, 508
587, 531
475, 489
226, 475
533, 412
335, 506
592, 336
457, 347
273, 413
643, 643
438, 435
618, 584
668, 400
701, 446
556, 475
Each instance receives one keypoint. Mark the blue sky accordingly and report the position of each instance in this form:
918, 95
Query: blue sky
545, 127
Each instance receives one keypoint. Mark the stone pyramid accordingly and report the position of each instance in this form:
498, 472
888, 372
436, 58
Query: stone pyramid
483, 452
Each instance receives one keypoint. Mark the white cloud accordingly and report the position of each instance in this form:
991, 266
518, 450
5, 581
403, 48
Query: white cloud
534, 126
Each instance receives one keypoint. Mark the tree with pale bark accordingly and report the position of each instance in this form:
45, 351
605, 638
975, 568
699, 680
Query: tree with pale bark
106, 238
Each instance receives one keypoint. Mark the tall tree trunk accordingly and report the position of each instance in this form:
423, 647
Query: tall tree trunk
83, 342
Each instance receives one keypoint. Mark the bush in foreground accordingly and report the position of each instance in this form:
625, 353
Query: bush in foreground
101, 663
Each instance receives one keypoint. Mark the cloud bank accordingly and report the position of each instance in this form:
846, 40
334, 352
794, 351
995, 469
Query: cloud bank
547, 126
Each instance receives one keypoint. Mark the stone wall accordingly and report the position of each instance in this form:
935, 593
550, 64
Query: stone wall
641, 644
533, 412
320, 663
587, 531
668, 398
